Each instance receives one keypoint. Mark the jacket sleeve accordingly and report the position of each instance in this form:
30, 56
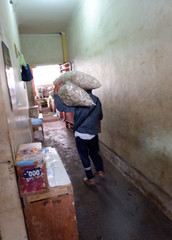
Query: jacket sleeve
61, 107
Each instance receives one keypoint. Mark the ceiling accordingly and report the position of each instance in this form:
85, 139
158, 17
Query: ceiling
44, 16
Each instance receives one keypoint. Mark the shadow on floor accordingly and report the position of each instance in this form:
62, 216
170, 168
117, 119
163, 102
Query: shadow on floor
115, 209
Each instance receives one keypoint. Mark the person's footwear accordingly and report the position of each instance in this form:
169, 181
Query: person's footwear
90, 183
101, 174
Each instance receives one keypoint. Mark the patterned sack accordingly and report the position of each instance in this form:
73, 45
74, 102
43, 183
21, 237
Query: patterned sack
72, 95
82, 80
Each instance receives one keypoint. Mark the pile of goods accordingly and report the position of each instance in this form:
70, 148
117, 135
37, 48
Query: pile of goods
75, 84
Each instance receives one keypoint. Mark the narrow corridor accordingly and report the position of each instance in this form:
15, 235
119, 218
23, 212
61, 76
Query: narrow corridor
115, 209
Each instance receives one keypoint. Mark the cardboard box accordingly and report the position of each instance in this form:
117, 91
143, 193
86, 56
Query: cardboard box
32, 178
31, 170
29, 153
33, 112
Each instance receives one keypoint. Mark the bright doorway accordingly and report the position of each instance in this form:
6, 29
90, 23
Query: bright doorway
43, 79
43, 86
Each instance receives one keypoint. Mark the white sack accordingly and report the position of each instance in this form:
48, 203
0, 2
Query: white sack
82, 80
72, 95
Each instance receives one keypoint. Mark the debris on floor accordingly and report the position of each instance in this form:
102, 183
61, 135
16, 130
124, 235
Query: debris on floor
114, 209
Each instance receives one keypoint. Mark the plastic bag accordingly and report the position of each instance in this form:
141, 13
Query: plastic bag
26, 73
82, 80
72, 95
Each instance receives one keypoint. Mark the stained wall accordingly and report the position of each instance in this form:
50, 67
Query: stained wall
127, 46
17, 115
14, 129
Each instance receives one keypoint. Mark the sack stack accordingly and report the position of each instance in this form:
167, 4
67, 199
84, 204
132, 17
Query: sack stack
76, 83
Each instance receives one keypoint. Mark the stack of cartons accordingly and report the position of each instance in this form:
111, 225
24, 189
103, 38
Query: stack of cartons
31, 169
49, 212
33, 112
35, 120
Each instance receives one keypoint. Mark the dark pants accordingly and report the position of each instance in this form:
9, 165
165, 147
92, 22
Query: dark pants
90, 148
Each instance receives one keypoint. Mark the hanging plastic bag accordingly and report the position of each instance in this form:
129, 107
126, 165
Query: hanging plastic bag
26, 73
22, 61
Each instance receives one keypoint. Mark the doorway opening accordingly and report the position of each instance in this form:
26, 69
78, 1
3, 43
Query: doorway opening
43, 87
43, 91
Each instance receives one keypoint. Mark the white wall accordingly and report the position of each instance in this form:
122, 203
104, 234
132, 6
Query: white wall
127, 46
18, 117
14, 130
42, 49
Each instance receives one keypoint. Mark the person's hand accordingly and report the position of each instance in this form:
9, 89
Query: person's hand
57, 86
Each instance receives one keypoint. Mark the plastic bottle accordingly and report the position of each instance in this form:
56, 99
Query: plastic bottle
47, 159
46, 155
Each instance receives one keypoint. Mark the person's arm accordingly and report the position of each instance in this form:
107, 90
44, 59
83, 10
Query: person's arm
101, 112
61, 107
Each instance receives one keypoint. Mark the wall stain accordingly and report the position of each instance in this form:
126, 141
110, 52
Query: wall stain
140, 28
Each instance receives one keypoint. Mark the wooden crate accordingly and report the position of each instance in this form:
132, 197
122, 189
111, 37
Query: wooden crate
52, 219
49, 212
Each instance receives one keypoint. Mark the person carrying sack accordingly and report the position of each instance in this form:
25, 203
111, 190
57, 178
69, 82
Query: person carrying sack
86, 128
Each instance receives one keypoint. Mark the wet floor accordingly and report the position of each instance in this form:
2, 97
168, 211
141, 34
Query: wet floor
115, 209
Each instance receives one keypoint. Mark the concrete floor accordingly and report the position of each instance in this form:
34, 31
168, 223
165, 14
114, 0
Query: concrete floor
115, 209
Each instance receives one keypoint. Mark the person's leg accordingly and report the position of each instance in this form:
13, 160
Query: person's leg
93, 146
83, 153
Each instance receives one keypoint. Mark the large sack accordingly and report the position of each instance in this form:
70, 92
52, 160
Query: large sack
82, 80
72, 95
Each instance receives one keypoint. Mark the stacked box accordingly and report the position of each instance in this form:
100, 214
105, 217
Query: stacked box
31, 169
32, 178
29, 152
48, 199
33, 112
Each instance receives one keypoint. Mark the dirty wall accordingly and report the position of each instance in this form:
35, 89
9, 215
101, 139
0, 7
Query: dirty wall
17, 112
127, 46
14, 128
